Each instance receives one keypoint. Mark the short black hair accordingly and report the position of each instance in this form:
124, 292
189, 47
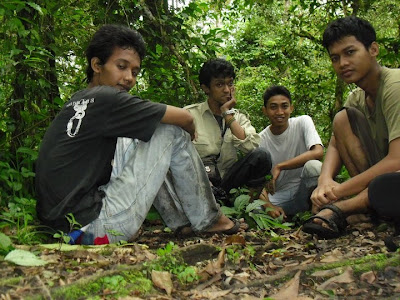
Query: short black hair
215, 68
107, 38
276, 90
361, 29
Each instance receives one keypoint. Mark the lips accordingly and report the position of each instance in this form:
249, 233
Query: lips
347, 73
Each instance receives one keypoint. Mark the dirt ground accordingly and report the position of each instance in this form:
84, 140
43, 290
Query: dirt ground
249, 265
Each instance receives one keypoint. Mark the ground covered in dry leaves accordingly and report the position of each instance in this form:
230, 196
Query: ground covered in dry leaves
249, 265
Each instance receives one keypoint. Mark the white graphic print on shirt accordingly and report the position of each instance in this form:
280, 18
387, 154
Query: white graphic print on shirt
79, 107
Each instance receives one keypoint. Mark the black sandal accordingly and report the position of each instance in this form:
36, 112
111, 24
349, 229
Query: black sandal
337, 224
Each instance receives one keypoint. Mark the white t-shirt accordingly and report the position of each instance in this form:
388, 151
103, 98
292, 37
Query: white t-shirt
298, 138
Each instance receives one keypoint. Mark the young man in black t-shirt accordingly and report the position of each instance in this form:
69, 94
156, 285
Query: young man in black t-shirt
103, 130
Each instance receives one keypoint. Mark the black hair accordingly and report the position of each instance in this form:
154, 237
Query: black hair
361, 29
215, 68
276, 90
106, 39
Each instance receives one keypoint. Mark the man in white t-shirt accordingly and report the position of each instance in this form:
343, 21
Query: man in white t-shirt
296, 150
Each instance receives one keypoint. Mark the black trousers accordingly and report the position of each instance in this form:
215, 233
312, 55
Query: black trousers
250, 170
383, 193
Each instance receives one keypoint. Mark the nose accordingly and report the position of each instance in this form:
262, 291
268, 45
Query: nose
129, 78
343, 62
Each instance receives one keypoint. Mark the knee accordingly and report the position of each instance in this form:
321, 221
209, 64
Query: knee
170, 131
261, 157
341, 121
312, 168
382, 194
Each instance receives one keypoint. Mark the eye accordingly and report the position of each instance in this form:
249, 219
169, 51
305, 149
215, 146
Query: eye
350, 52
230, 84
334, 59
121, 67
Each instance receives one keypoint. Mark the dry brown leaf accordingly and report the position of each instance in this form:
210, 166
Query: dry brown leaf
213, 267
162, 280
210, 293
335, 255
243, 277
235, 239
290, 290
369, 277
346, 277
397, 287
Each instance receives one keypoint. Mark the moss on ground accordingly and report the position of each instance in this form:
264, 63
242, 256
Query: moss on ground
127, 283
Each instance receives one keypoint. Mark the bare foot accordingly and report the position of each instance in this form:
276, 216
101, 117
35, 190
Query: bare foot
224, 223
325, 213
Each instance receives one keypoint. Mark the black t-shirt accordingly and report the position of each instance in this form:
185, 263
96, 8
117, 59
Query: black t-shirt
76, 152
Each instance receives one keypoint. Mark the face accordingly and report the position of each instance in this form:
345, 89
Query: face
351, 60
120, 70
220, 90
278, 110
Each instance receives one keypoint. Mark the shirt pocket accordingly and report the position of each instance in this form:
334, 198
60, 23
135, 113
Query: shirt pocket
202, 147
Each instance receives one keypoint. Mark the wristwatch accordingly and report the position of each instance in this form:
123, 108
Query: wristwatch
228, 112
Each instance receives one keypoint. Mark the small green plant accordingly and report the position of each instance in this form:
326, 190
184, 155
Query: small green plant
64, 237
5, 244
173, 263
252, 211
233, 254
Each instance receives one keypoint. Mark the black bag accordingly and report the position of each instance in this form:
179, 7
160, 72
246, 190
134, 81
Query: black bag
210, 164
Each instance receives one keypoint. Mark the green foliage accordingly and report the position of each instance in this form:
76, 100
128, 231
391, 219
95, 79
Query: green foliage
270, 42
62, 236
121, 285
252, 212
173, 263
5, 244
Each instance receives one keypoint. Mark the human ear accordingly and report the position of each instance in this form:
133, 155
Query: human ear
95, 64
205, 89
264, 110
374, 49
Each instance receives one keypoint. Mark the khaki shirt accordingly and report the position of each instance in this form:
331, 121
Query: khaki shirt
384, 121
210, 142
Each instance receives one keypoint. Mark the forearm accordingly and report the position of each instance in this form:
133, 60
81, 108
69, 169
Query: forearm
315, 153
179, 117
235, 127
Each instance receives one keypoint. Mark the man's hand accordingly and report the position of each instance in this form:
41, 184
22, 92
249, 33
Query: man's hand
324, 193
273, 210
231, 102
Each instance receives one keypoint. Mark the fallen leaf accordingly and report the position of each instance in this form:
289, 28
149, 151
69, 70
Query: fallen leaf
243, 277
290, 290
162, 280
210, 294
24, 258
235, 239
335, 255
346, 277
369, 277
213, 267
